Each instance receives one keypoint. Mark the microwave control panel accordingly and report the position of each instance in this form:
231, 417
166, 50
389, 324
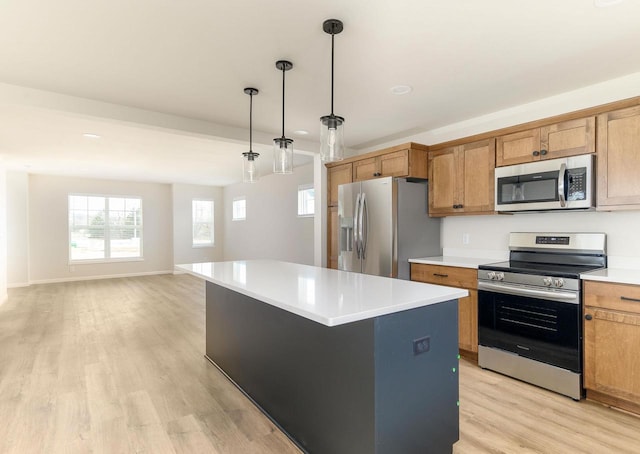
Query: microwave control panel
577, 183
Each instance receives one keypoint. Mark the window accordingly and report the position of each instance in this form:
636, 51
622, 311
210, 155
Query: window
202, 216
306, 200
104, 228
239, 208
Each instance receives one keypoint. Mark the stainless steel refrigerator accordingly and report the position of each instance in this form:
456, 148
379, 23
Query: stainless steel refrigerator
382, 223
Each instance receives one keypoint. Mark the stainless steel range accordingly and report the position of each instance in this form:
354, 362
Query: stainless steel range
529, 308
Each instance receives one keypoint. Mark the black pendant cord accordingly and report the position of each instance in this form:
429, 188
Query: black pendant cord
332, 39
250, 122
283, 71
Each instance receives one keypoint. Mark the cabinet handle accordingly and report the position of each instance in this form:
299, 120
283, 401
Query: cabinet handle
625, 298
457, 206
588, 317
536, 153
543, 152
440, 275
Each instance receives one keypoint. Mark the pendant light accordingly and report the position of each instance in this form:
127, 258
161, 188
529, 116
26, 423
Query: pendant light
249, 168
332, 126
283, 147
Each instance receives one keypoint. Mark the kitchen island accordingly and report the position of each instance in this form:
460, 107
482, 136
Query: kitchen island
341, 362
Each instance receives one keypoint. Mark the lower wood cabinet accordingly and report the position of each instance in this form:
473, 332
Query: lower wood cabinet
466, 278
612, 344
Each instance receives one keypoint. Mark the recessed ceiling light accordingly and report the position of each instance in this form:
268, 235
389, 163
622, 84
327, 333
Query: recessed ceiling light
89, 135
606, 3
401, 89
301, 132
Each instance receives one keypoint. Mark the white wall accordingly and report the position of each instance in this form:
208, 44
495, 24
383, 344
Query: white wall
272, 229
18, 229
3, 236
49, 237
183, 250
489, 235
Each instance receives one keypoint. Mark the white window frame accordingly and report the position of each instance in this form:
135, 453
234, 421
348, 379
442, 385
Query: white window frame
107, 239
212, 242
234, 214
301, 204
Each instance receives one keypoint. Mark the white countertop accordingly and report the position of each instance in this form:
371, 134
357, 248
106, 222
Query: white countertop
326, 296
614, 275
462, 262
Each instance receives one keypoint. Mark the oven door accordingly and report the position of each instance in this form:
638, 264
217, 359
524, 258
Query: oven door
532, 325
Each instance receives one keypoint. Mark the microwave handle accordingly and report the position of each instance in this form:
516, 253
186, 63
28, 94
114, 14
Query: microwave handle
561, 186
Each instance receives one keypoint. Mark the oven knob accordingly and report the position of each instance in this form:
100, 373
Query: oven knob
547, 281
491, 275
500, 276
559, 283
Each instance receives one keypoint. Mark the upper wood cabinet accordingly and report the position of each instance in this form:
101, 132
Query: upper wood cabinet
394, 164
568, 138
461, 179
401, 163
611, 343
619, 159
336, 176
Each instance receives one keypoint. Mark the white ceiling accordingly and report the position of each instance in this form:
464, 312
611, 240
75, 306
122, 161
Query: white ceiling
192, 59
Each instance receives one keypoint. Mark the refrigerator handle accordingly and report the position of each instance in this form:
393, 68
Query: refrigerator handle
364, 225
356, 225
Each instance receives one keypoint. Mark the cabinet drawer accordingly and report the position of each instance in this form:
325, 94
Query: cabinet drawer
619, 297
445, 275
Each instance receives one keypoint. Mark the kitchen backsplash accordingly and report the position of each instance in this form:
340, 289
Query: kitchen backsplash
488, 236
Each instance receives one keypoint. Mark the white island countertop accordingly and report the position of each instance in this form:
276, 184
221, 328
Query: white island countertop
326, 296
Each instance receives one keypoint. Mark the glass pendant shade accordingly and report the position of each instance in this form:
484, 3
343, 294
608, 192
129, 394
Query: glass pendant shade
282, 155
250, 172
331, 138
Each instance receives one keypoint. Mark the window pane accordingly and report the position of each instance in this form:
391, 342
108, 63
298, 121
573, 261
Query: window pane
84, 246
125, 242
306, 200
239, 209
96, 203
77, 202
202, 222
116, 204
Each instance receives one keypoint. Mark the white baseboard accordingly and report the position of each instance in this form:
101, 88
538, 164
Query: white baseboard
91, 278
18, 285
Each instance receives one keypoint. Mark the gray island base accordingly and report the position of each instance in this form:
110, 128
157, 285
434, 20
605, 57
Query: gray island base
385, 384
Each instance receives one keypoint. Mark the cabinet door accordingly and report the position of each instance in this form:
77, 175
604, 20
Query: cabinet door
365, 169
332, 238
443, 182
336, 176
395, 164
478, 181
518, 147
611, 360
619, 159
468, 322
568, 138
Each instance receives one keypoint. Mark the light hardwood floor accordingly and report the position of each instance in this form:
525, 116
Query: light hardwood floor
117, 365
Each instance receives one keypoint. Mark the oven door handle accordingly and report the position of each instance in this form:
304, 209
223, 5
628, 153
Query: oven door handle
569, 297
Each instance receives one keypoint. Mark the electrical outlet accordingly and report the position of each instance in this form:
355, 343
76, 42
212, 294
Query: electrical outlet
421, 345
465, 238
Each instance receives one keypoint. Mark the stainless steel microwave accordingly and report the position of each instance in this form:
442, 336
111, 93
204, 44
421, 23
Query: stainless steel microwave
554, 184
